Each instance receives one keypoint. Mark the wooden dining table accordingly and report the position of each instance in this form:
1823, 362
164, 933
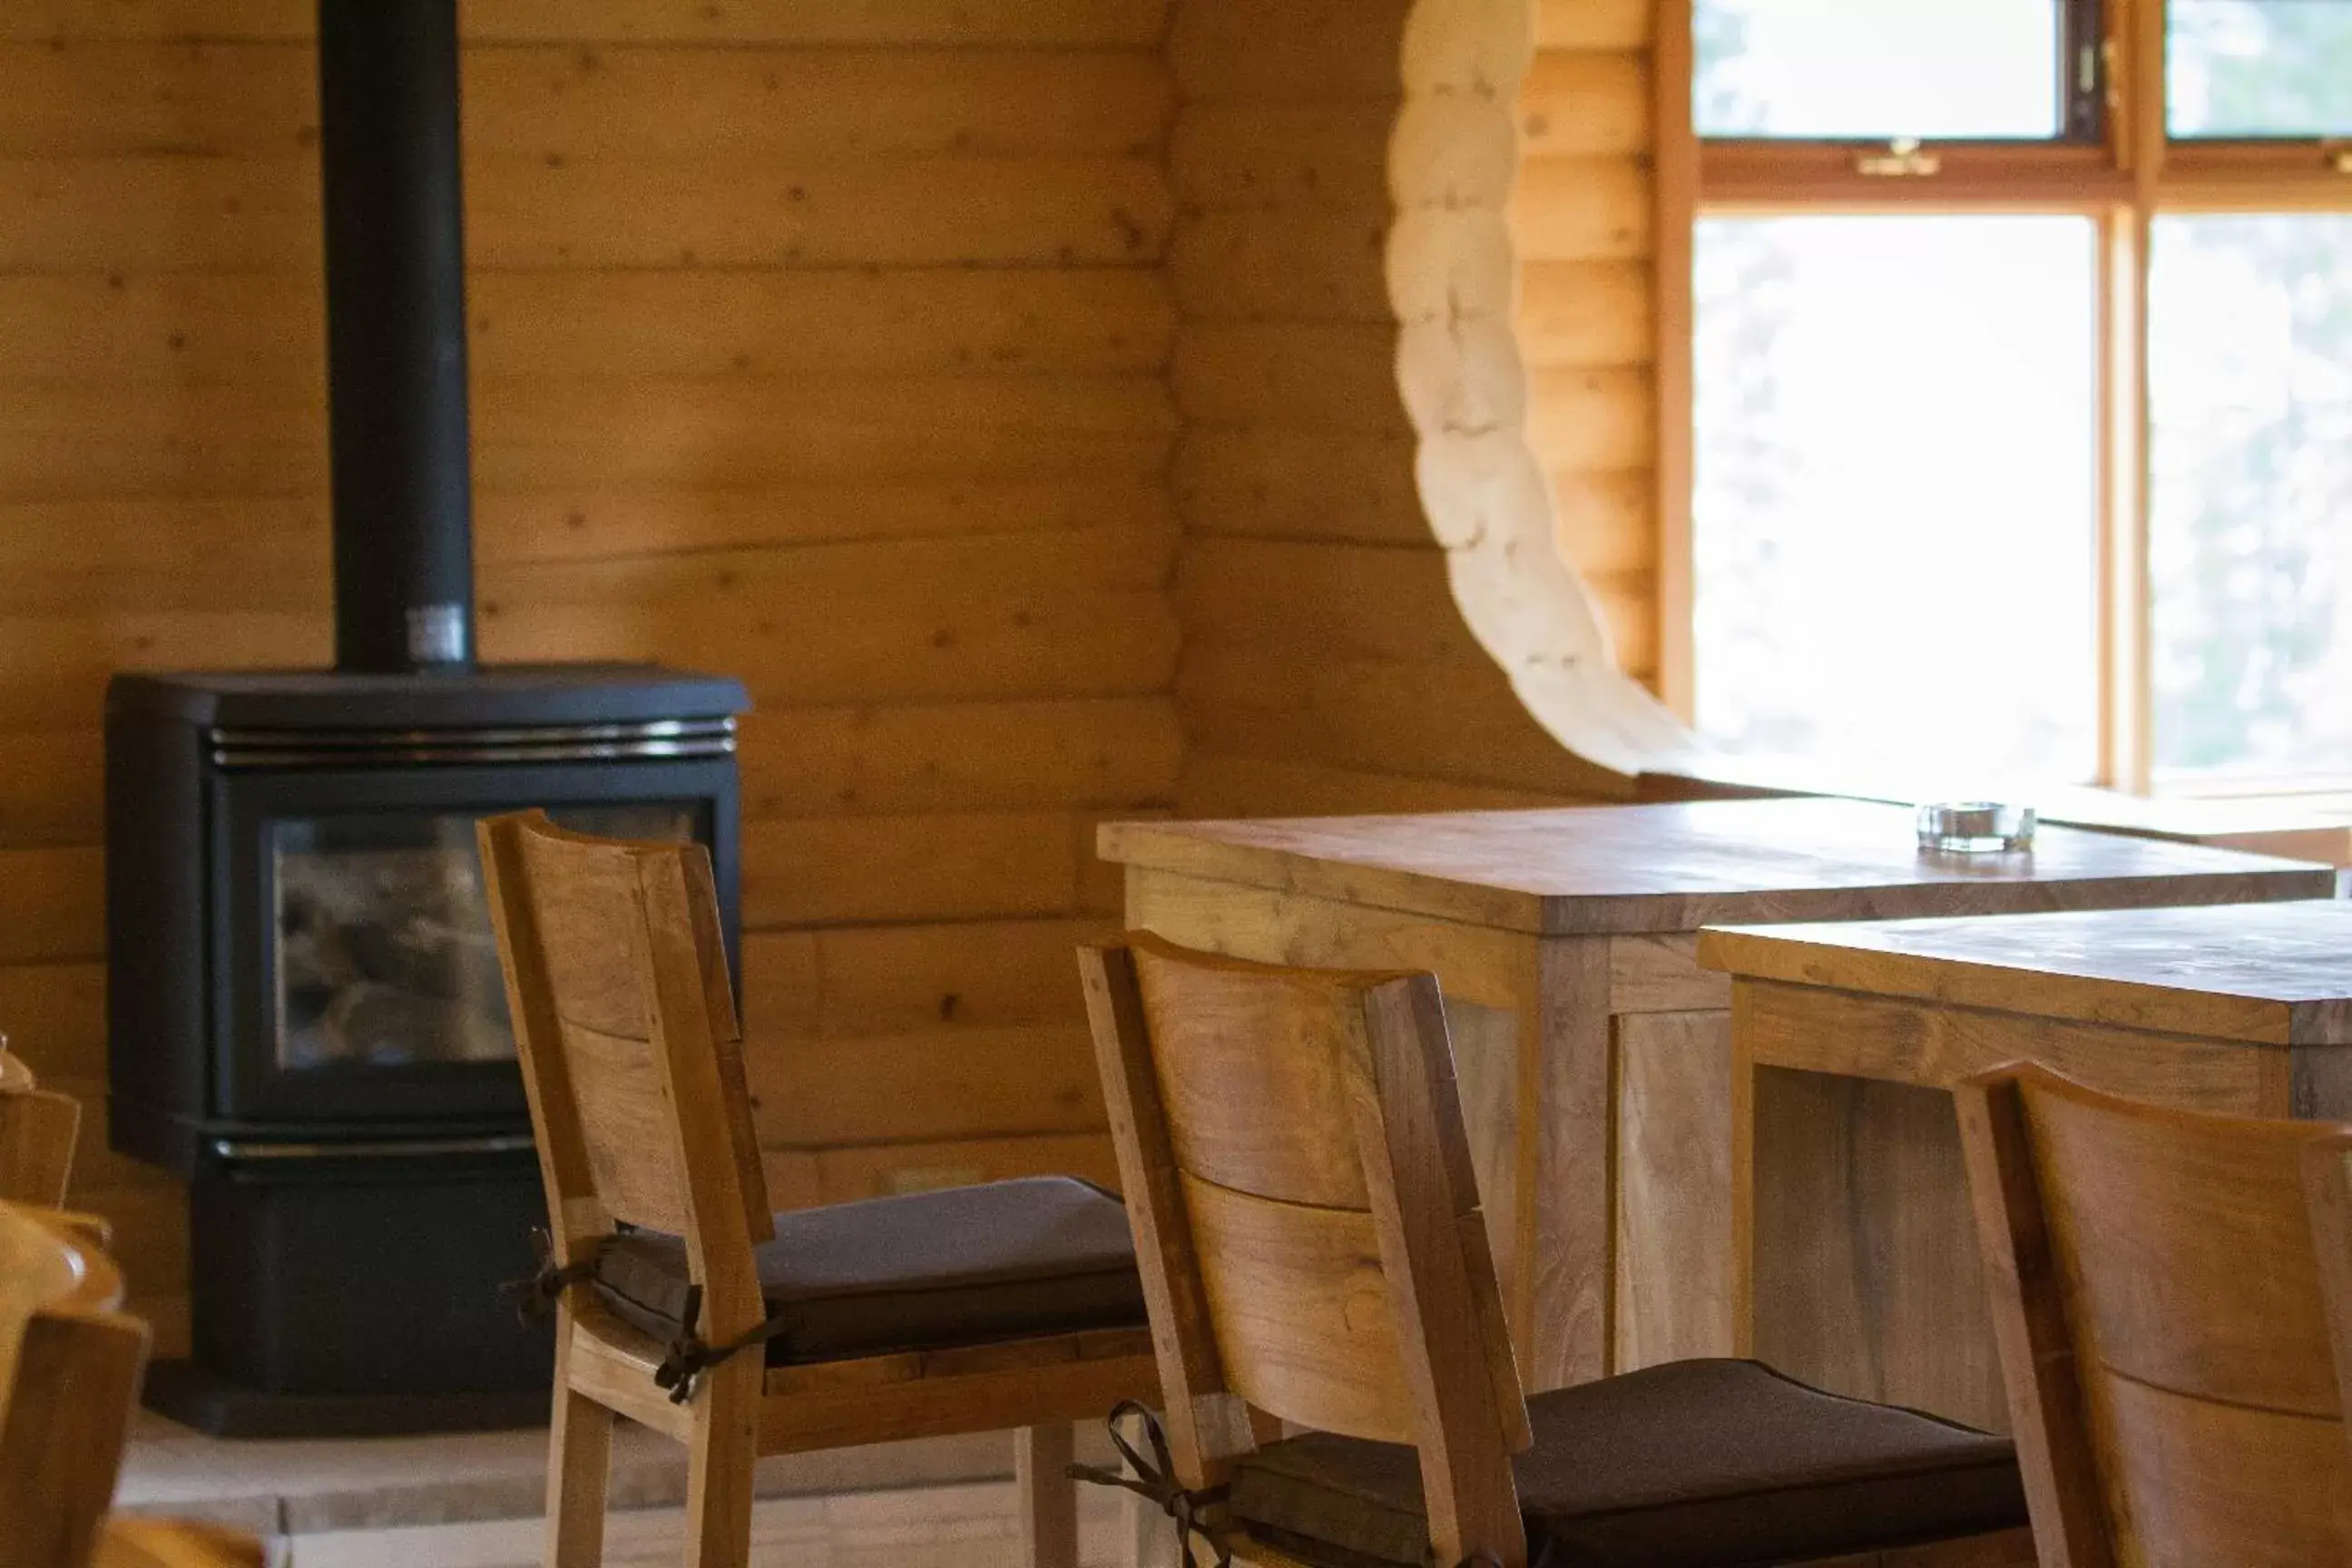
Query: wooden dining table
1855, 1241
1593, 1052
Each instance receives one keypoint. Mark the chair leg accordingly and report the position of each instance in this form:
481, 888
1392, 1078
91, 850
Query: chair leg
723, 1452
579, 1466
1048, 1498
2008, 1549
1150, 1537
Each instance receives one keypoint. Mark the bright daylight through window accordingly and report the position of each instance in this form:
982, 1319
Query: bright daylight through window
2022, 402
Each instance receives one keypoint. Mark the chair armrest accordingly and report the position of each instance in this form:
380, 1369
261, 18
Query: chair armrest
124, 1543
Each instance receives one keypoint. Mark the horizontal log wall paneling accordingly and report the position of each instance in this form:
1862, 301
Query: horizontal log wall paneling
828, 344
1581, 214
1326, 665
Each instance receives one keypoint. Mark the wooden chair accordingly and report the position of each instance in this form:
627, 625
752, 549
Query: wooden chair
2164, 1328
625, 1024
37, 1129
1300, 1187
69, 1367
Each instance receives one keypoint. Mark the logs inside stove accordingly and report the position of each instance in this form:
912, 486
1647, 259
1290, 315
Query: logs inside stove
305, 1016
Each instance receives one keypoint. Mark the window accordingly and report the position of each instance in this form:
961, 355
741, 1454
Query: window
1841, 472
2016, 342
2250, 533
1833, 69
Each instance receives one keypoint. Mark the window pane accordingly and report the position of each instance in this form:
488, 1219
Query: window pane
2250, 533
1877, 69
1892, 523
2260, 67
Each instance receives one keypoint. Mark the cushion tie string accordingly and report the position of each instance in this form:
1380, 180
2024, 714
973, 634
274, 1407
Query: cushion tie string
688, 1356
1196, 1512
536, 1298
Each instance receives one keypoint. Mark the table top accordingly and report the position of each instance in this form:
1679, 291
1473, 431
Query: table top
2291, 825
2275, 974
1625, 870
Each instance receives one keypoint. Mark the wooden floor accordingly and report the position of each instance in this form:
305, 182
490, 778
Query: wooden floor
474, 1501
967, 1526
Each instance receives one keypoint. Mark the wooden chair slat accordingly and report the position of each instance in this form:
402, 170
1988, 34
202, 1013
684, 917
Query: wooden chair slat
2328, 1194
2202, 1482
1207, 1423
726, 1189
2048, 1418
1301, 1310
626, 1129
1425, 1207
590, 919
575, 1215
725, 1026
1250, 1078
2165, 1332
2187, 1250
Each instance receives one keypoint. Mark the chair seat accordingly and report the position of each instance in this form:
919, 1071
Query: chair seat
1043, 1254
1693, 1464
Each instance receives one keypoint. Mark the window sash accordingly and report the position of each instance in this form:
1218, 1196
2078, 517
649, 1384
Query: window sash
2125, 175
2080, 91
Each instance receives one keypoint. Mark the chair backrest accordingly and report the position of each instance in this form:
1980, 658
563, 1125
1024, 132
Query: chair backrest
2163, 1332
37, 1129
1299, 1183
2327, 1189
69, 1366
631, 1057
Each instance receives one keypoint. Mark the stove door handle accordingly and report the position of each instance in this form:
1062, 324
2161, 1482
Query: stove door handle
380, 1149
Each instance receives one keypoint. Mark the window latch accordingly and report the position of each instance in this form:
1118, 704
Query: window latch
1902, 160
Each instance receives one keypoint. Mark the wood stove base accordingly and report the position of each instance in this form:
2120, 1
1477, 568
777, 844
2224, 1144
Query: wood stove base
196, 1395
349, 1294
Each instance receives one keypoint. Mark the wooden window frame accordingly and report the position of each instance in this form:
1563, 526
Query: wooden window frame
2132, 172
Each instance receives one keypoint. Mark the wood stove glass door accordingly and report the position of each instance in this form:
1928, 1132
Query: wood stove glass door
360, 981
385, 956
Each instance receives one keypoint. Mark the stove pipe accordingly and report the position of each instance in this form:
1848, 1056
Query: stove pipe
396, 335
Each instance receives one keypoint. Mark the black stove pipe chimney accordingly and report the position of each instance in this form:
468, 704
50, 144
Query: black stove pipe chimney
396, 335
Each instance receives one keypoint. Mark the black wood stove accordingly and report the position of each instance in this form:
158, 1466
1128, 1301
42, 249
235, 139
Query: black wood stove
306, 1018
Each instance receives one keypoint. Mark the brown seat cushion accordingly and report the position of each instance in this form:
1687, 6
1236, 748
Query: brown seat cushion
1693, 1464
1044, 1255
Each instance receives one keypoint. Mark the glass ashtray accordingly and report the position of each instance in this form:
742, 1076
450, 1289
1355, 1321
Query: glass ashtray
1975, 827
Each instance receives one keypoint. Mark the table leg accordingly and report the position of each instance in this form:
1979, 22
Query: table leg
1486, 1077
1675, 1146
1566, 1216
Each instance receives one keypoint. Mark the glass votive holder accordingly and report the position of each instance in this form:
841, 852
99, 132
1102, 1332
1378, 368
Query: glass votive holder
1975, 827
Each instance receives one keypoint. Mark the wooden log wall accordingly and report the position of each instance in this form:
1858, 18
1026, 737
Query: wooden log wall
824, 342
1581, 218
1354, 407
